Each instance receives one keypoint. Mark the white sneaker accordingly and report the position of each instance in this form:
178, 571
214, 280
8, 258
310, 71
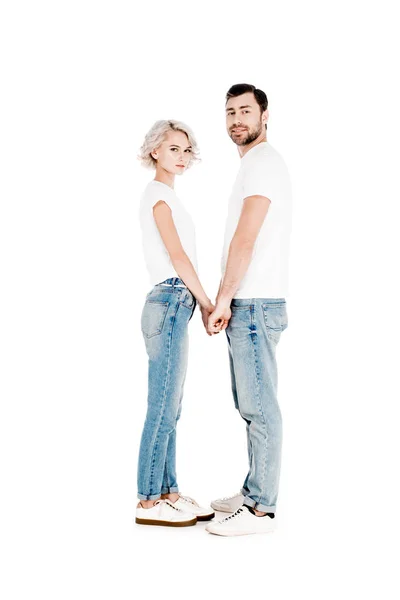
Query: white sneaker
186, 503
228, 504
242, 522
163, 512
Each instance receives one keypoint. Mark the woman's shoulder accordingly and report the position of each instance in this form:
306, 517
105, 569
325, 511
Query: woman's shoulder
158, 189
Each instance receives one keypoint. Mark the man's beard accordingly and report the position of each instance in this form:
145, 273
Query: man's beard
250, 137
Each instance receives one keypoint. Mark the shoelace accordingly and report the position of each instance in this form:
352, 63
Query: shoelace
169, 504
188, 499
228, 497
235, 515
172, 504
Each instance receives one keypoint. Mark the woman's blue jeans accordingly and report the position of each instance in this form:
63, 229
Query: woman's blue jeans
165, 317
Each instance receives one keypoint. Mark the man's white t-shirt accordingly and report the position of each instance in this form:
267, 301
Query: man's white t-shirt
263, 172
156, 255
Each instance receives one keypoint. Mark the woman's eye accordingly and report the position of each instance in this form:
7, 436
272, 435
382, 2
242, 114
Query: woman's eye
188, 150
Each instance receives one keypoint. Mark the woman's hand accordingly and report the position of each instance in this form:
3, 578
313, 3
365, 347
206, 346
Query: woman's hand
205, 313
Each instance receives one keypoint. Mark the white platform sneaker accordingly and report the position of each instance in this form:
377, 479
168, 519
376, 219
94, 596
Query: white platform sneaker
243, 522
228, 504
186, 503
164, 512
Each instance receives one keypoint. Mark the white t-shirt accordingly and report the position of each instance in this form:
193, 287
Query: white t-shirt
156, 255
263, 172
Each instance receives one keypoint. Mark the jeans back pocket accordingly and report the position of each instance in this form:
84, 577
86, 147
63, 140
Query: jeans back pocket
153, 317
275, 319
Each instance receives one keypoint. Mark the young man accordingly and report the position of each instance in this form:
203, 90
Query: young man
252, 307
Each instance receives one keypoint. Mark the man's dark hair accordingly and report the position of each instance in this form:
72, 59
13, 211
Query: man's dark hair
242, 88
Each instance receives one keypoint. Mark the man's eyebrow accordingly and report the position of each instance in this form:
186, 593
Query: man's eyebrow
244, 106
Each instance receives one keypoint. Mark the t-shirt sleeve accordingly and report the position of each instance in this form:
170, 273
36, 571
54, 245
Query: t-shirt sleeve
156, 195
259, 180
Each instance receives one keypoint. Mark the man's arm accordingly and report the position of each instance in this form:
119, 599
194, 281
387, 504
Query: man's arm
252, 217
219, 289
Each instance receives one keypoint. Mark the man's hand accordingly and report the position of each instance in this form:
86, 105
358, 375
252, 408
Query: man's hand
205, 313
219, 318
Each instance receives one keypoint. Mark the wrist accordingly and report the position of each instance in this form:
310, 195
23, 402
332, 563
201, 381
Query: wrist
206, 305
223, 302
225, 295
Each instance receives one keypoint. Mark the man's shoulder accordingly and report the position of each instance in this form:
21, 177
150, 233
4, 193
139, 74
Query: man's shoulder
267, 152
265, 159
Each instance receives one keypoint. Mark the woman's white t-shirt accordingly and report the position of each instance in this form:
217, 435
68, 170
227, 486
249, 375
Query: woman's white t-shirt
156, 255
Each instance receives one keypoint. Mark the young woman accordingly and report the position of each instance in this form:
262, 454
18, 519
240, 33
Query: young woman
170, 253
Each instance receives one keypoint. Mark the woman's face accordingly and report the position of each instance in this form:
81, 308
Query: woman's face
174, 153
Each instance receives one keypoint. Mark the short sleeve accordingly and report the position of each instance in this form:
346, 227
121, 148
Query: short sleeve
259, 180
157, 193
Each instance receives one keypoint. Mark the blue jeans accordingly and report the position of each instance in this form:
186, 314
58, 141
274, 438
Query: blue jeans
165, 317
253, 333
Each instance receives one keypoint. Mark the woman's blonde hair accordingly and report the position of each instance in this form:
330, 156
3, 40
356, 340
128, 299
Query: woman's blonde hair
156, 136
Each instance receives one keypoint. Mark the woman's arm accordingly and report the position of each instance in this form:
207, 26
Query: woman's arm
180, 260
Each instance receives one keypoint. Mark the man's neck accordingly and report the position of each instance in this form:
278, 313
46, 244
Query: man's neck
244, 149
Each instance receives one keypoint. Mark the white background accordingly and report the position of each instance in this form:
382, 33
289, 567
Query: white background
82, 83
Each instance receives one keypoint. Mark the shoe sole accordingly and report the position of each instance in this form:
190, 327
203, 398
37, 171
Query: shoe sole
237, 533
206, 517
226, 510
219, 509
166, 523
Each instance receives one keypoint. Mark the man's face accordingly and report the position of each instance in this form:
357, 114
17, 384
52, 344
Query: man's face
244, 120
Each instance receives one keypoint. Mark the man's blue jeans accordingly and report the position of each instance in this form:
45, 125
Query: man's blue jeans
253, 333
165, 317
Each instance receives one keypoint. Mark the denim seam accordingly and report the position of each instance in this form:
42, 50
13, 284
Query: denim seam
168, 290
185, 306
163, 402
166, 472
254, 337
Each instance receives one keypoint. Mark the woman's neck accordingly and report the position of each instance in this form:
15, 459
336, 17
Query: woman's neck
165, 177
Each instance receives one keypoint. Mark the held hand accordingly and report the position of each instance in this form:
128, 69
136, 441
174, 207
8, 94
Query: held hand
205, 313
219, 319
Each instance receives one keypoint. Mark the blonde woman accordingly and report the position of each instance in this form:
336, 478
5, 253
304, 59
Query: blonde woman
170, 254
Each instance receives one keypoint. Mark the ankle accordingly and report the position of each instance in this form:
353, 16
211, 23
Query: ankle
172, 497
146, 503
260, 513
